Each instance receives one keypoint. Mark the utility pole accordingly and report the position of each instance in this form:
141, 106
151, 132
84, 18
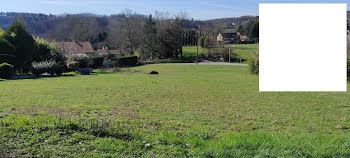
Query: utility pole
197, 45
197, 51
229, 55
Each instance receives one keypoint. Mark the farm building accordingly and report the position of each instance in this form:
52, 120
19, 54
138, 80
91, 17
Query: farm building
228, 36
109, 54
77, 47
242, 38
219, 38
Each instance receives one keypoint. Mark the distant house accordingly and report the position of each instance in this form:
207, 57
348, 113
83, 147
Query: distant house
228, 36
219, 38
109, 54
242, 38
77, 47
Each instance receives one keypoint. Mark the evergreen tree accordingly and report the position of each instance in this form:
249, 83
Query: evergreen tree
23, 43
252, 29
149, 49
6, 51
241, 29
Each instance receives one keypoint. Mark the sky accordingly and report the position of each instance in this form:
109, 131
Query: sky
197, 9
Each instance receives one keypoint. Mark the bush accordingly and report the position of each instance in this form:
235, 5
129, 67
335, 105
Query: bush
83, 60
49, 66
6, 53
6, 70
72, 65
201, 41
253, 63
126, 61
225, 54
97, 61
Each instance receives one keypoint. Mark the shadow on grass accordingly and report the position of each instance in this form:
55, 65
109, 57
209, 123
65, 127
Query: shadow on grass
31, 77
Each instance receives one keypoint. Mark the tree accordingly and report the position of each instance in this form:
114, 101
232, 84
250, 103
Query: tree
130, 32
201, 41
166, 38
47, 57
252, 29
149, 47
102, 36
181, 20
45, 50
169, 35
85, 29
23, 43
178, 28
6, 51
241, 29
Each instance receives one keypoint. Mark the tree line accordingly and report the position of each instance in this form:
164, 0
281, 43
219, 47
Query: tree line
157, 36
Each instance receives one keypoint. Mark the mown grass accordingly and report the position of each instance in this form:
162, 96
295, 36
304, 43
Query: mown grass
192, 50
243, 51
185, 111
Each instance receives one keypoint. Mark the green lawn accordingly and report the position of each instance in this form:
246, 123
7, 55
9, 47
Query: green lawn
185, 111
192, 50
244, 51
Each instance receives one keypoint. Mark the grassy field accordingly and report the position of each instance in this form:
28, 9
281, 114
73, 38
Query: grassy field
244, 51
185, 111
192, 51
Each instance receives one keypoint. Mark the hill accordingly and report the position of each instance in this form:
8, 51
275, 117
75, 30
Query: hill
50, 25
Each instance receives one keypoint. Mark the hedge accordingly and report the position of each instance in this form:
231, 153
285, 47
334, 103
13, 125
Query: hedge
97, 61
126, 61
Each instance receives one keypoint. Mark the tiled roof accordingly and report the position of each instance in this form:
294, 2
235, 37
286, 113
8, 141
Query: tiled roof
229, 31
76, 47
106, 52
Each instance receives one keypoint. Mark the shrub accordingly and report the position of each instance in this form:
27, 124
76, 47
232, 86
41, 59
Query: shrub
6, 53
97, 61
83, 59
226, 54
6, 70
72, 65
126, 61
49, 66
201, 41
206, 42
253, 63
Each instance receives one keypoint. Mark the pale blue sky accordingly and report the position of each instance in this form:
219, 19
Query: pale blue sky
197, 9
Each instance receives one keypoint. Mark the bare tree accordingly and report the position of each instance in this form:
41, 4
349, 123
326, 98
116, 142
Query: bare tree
129, 31
85, 29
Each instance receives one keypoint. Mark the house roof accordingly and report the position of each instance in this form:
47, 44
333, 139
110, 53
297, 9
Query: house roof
229, 31
106, 52
76, 47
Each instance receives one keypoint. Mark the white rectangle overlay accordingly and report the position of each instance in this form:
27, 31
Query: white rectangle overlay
302, 47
